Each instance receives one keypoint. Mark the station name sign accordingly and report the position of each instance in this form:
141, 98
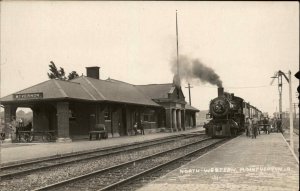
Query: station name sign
38, 95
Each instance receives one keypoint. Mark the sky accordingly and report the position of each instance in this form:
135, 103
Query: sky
245, 43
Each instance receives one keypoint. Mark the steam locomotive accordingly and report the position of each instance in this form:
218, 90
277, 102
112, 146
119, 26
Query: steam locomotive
227, 114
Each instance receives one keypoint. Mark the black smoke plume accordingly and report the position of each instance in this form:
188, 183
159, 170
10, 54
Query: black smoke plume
193, 69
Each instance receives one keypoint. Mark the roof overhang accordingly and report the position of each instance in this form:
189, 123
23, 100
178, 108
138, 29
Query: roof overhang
67, 99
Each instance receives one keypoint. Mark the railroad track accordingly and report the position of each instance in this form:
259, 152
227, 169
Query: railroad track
115, 176
14, 170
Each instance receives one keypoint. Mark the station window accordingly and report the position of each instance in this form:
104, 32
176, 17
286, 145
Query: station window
146, 117
149, 118
107, 116
152, 118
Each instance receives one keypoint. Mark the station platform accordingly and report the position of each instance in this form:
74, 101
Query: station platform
15, 152
286, 135
264, 163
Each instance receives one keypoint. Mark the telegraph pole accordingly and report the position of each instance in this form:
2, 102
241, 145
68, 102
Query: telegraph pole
279, 75
280, 95
291, 112
189, 87
289, 80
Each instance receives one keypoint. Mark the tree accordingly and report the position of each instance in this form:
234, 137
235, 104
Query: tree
72, 75
60, 74
56, 74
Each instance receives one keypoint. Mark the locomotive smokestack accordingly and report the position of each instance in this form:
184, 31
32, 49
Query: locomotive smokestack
220, 91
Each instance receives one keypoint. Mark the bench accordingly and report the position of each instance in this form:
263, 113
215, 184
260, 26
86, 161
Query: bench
28, 136
99, 131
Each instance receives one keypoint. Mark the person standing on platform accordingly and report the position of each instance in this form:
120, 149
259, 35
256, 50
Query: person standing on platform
21, 123
246, 126
142, 128
135, 128
265, 125
268, 127
249, 127
275, 125
254, 128
279, 125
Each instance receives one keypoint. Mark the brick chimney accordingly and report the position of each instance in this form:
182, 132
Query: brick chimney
93, 72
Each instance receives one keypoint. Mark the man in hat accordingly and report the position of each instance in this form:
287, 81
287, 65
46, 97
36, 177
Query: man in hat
254, 128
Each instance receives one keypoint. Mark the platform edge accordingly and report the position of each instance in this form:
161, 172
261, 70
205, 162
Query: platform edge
294, 155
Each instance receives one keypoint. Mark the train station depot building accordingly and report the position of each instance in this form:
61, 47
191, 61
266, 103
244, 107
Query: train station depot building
73, 108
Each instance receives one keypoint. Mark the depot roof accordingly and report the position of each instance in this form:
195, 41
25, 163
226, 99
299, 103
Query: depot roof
83, 88
189, 107
156, 91
91, 89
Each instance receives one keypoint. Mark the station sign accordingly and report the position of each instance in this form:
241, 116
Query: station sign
38, 95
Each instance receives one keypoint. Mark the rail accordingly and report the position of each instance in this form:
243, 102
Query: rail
107, 172
31, 166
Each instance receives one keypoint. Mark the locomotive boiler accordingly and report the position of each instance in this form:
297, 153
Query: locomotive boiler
226, 115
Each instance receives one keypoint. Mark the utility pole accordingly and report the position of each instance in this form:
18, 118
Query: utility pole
279, 75
189, 87
280, 95
291, 112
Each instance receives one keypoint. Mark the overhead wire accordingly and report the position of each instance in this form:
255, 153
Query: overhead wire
241, 87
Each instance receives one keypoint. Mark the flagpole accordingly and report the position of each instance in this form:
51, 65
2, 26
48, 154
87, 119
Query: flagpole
177, 45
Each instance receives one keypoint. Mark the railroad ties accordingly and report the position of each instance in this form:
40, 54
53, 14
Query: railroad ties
114, 166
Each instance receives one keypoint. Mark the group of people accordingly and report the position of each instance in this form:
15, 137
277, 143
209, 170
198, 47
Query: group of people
10, 131
138, 128
253, 126
277, 123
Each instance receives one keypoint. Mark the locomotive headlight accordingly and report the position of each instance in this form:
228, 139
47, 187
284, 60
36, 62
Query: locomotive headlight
219, 106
